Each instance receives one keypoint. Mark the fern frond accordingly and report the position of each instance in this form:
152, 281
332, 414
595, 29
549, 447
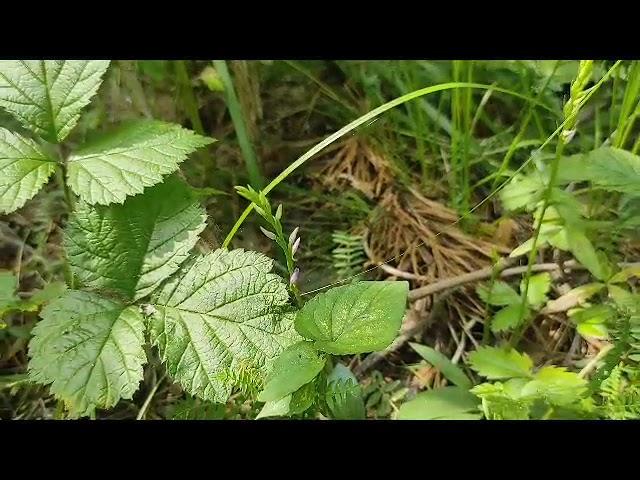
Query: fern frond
348, 255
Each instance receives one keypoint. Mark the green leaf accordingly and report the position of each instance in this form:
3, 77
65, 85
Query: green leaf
295, 367
625, 274
90, 349
500, 293
9, 301
193, 409
303, 398
508, 318
25, 169
344, 395
521, 191
556, 386
591, 322
614, 169
47, 96
502, 401
447, 403
624, 299
8, 285
131, 248
573, 297
582, 248
357, 318
496, 363
450, 370
50, 292
222, 314
276, 408
123, 162
593, 330
539, 285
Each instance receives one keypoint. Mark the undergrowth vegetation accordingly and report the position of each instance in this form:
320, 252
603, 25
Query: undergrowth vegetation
341, 240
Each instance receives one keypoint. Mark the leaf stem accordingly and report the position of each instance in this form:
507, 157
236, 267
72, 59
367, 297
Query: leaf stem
360, 121
147, 401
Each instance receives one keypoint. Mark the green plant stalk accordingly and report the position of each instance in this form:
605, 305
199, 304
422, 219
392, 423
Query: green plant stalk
189, 97
486, 328
628, 101
61, 174
571, 120
235, 110
636, 146
360, 121
629, 125
534, 247
417, 116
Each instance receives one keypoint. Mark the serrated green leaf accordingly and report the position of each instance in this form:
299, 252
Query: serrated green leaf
539, 285
556, 386
296, 366
508, 318
496, 363
138, 154
90, 349
344, 395
222, 313
25, 169
447, 403
47, 96
500, 293
614, 169
450, 370
131, 248
357, 318
502, 402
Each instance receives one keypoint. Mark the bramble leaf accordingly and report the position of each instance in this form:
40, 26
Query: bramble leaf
25, 169
123, 162
222, 314
47, 96
131, 248
90, 349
